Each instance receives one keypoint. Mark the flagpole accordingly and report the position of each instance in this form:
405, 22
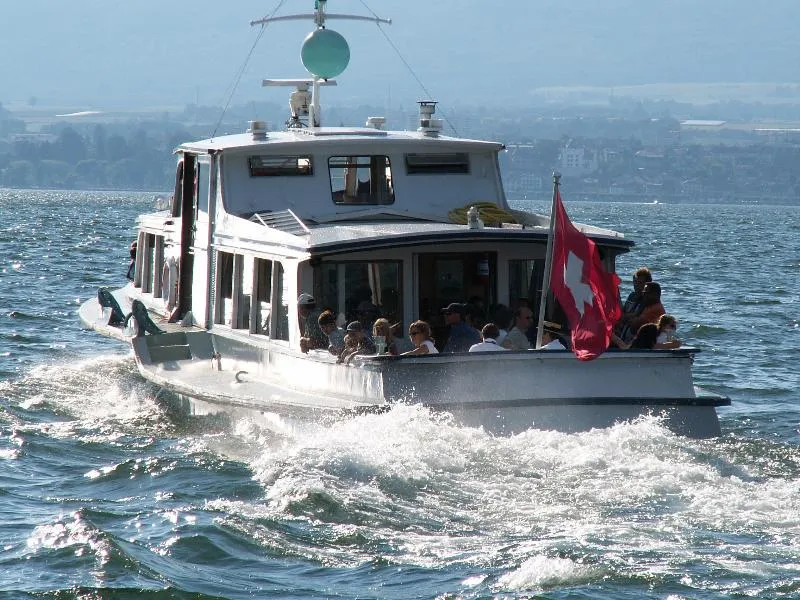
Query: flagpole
548, 262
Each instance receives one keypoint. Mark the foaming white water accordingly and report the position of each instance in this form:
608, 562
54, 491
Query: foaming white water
438, 494
540, 572
73, 531
95, 392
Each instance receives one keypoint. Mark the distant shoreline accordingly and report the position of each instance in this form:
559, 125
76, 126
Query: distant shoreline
632, 198
732, 200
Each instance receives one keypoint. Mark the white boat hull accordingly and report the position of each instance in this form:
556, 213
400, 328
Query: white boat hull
504, 393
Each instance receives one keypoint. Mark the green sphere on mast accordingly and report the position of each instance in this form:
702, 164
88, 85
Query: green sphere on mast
325, 53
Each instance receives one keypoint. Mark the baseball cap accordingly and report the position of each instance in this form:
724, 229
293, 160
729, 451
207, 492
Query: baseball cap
305, 300
455, 307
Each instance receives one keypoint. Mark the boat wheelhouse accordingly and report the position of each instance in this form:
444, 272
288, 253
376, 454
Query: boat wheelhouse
355, 215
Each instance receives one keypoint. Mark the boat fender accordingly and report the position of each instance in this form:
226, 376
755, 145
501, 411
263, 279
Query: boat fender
144, 324
238, 376
106, 300
169, 282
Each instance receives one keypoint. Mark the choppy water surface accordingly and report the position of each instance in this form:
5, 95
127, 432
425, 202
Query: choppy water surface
105, 494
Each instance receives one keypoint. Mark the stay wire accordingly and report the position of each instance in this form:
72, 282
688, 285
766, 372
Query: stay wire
408, 66
235, 83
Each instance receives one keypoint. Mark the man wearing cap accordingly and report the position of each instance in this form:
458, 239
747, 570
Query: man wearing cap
489, 333
311, 335
462, 336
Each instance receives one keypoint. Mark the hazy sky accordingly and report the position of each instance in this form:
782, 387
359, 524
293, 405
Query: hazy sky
97, 54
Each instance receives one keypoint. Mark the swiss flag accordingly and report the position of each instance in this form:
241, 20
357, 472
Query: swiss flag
586, 292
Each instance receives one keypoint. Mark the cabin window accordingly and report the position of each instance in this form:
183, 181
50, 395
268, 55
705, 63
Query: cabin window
260, 299
158, 266
525, 279
242, 291
361, 291
439, 163
361, 180
281, 304
202, 184
177, 197
463, 277
150, 258
276, 166
223, 313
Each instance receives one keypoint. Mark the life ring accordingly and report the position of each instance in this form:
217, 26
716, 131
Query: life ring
169, 283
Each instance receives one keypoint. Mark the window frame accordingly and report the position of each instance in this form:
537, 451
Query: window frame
380, 182
438, 167
283, 169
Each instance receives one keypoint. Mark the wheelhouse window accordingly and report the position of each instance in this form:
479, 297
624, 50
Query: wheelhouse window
280, 166
361, 180
439, 163
361, 291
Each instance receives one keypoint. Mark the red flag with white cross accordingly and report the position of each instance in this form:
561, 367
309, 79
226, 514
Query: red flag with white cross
587, 293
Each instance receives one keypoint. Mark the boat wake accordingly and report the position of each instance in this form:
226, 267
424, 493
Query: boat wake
387, 495
102, 393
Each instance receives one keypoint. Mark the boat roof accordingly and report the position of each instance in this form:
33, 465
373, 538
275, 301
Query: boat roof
338, 237
333, 136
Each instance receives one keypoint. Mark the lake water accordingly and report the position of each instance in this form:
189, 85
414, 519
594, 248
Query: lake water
105, 494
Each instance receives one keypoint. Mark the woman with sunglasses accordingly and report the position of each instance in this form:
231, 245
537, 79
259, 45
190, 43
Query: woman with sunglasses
420, 334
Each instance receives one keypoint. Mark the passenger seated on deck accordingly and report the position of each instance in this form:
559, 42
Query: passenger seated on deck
645, 338
551, 337
311, 335
355, 342
420, 334
462, 335
652, 308
327, 324
489, 335
517, 338
381, 328
667, 326
633, 304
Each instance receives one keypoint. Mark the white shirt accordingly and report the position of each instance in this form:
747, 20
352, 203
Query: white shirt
431, 348
487, 345
554, 345
516, 340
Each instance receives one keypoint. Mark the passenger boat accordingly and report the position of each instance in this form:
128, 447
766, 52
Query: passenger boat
364, 214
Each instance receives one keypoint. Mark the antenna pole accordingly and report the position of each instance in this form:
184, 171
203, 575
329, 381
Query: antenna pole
315, 111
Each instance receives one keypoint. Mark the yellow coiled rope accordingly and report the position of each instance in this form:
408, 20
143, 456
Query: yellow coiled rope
491, 214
